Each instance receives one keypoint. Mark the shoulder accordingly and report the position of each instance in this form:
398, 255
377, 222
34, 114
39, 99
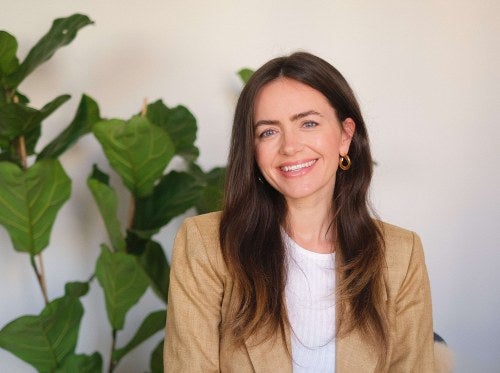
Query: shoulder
400, 243
198, 240
403, 253
207, 225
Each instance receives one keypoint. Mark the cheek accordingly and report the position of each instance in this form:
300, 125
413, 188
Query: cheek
259, 156
261, 153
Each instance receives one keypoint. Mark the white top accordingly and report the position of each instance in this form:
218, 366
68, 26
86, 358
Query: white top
310, 301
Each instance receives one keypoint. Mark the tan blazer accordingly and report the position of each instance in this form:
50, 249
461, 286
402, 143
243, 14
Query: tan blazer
201, 290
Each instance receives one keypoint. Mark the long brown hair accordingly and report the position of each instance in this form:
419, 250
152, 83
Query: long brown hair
253, 213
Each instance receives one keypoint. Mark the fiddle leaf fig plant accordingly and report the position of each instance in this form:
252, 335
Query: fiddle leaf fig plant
32, 191
34, 186
140, 150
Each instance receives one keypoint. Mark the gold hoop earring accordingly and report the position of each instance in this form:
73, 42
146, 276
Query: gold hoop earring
345, 162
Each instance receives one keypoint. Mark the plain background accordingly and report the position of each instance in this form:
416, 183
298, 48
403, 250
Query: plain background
427, 75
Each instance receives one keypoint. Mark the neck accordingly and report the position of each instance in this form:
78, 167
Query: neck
310, 226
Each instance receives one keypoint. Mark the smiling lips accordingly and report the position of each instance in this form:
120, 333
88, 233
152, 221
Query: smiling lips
298, 167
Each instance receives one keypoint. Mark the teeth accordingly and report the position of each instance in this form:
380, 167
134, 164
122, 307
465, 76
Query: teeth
296, 167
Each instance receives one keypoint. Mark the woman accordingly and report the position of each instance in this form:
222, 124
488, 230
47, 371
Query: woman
295, 274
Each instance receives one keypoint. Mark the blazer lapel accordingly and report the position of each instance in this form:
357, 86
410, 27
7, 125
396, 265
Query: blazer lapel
271, 355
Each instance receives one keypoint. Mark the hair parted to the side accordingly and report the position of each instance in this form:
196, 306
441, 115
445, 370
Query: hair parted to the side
253, 213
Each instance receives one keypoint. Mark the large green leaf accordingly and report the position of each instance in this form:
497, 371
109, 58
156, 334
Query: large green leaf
30, 200
18, 119
86, 115
31, 137
211, 198
156, 266
44, 341
174, 194
107, 202
8, 59
62, 32
137, 150
81, 364
123, 281
152, 324
180, 124
156, 363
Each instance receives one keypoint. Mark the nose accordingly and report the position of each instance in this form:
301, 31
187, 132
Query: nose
290, 142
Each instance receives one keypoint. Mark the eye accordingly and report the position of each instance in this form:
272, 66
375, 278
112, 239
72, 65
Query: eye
267, 133
309, 124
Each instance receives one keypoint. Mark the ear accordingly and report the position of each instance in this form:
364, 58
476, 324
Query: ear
348, 129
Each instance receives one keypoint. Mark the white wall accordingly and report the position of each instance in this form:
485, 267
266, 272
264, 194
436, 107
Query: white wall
427, 74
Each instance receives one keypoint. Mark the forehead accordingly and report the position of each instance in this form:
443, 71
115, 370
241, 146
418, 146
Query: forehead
285, 96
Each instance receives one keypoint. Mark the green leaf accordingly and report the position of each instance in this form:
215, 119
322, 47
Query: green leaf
31, 137
81, 364
76, 289
137, 150
62, 32
30, 200
123, 281
245, 74
99, 175
8, 49
156, 266
213, 192
156, 363
152, 324
45, 340
53, 105
107, 202
180, 124
18, 119
86, 115
174, 194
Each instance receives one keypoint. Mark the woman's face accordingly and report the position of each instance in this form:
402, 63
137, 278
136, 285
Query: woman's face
298, 139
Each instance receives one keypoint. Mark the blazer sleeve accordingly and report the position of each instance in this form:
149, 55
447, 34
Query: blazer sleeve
414, 343
194, 305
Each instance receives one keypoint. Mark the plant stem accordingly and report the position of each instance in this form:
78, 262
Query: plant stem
21, 148
112, 362
144, 109
41, 280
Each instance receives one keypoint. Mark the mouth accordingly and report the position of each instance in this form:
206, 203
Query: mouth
298, 167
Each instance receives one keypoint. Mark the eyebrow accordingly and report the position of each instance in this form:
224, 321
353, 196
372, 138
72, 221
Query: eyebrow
293, 118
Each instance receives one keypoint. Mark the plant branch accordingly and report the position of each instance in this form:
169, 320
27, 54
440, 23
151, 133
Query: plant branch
21, 144
112, 362
21, 149
41, 280
144, 110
